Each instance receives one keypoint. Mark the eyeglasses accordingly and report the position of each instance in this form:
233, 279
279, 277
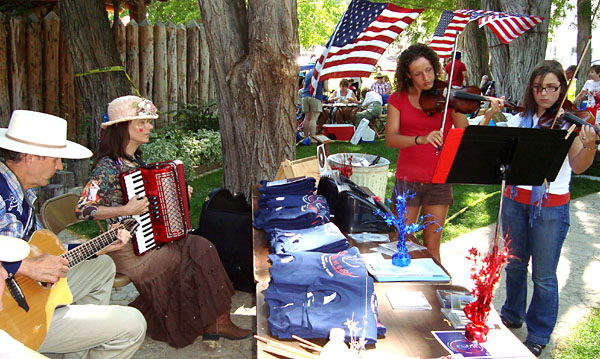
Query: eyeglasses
549, 89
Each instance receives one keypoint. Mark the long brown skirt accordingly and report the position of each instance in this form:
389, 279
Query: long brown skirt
183, 287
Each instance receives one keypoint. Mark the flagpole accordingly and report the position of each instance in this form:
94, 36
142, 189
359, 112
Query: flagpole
437, 151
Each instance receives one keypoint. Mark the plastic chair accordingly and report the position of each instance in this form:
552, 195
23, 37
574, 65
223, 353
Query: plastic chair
58, 213
378, 124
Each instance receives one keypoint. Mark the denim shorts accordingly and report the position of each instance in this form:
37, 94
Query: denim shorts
425, 194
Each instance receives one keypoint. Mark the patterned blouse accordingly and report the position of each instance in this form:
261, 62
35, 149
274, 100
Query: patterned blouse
104, 187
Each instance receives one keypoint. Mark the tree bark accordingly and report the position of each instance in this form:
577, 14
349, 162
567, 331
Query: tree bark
512, 64
253, 61
5, 111
584, 31
92, 46
475, 52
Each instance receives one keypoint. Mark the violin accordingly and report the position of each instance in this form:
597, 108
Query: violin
567, 115
463, 100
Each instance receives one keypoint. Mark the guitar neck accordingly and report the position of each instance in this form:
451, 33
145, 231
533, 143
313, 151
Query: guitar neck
89, 248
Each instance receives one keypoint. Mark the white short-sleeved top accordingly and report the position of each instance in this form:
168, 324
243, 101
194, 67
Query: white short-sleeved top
561, 184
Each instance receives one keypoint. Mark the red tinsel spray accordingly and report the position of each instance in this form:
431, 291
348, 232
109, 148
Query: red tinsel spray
485, 273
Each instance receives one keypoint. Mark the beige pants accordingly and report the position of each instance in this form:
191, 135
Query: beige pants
89, 327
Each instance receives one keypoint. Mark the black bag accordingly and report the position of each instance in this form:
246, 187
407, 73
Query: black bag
226, 221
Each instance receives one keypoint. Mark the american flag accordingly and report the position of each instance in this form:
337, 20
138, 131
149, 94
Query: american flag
360, 37
451, 24
506, 26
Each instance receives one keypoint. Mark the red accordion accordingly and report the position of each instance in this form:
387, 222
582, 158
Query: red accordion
168, 216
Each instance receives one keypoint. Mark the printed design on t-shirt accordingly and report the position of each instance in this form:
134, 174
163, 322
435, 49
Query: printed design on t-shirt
315, 203
343, 264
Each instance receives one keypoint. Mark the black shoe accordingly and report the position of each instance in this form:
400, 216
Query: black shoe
507, 323
534, 348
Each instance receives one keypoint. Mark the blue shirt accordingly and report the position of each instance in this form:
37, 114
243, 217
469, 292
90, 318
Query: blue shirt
306, 92
16, 211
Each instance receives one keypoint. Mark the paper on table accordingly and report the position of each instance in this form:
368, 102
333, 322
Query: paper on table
406, 299
369, 237
421, 269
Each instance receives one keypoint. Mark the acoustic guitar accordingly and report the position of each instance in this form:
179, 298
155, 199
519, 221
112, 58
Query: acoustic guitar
30, 327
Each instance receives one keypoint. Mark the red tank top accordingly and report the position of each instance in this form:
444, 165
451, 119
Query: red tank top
416, 163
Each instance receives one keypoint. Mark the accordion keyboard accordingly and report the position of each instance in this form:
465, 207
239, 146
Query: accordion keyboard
144, 235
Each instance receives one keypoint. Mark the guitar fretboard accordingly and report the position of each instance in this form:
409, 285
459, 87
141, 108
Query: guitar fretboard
89, 248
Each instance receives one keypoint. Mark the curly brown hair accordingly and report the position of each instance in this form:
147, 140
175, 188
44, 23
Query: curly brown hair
403, 82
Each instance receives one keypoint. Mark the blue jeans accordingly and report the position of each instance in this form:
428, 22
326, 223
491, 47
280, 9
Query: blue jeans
541, 242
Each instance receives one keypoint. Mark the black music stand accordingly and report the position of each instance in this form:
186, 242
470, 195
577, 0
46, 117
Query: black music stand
502, 155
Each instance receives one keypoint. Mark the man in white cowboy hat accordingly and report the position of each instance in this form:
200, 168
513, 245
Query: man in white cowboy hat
11, 250
33, 146
380, 86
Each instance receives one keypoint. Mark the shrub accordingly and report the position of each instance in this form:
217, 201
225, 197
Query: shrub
194, 148
197, 115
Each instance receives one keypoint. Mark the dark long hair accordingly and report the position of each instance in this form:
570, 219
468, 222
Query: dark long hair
541, 70
403, 82
114, 142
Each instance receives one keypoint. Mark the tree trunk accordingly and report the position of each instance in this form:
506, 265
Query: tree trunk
253, 61
512, 64
584, 31
92, 46
475, 52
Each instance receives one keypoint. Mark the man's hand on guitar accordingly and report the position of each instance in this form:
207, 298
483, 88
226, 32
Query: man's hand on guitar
136, 206
123, 237
45, 268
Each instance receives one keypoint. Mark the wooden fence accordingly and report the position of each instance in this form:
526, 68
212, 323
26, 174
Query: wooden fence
168, 64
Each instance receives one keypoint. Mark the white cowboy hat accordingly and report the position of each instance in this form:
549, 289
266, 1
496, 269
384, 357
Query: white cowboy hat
13, 249
40, 134
127, 108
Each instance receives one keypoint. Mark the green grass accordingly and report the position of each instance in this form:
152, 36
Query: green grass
584, 342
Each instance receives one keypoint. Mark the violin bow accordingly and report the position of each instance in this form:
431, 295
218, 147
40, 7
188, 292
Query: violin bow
585, 48
437, 150
579, 61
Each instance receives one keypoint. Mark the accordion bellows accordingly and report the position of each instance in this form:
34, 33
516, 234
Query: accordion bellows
168, 216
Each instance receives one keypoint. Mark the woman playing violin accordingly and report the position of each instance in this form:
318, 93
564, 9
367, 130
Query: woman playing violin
536, 219
418, 135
